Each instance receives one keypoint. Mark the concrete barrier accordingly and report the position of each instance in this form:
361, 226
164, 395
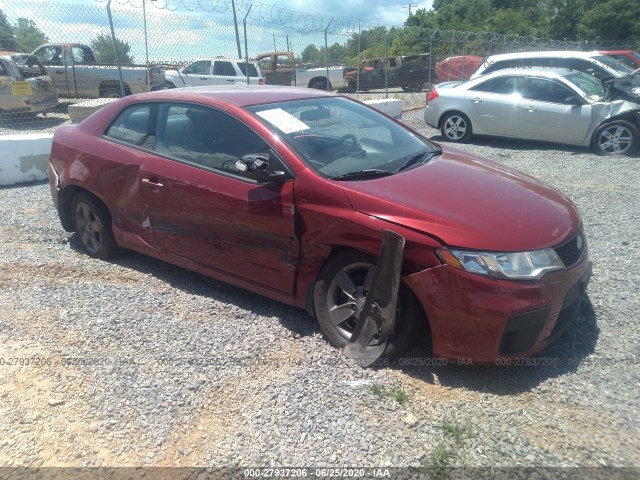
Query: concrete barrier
391, 107
81, 110
24, 158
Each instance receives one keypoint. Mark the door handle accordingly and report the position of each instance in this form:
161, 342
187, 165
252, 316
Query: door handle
477, 100
529, 108
230, 80
152, 183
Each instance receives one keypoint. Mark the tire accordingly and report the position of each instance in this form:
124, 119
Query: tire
92, 223
113, 91
456, 127
167, 86
328, 294
319, 85
619, 137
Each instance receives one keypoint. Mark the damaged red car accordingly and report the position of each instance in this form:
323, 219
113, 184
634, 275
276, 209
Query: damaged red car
321, 202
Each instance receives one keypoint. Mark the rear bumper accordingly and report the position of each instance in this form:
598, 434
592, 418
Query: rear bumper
482, 319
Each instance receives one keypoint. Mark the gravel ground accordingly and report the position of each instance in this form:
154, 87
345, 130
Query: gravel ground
200, 373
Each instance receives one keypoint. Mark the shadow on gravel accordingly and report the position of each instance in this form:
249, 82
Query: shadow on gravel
515, 144
523, 374
295, 320
30, 124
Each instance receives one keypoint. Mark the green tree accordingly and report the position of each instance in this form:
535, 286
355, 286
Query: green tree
103, 50
611, 20
28, 35
7, 36
311, 54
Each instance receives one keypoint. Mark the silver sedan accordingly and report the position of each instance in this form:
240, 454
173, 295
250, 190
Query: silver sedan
552, 105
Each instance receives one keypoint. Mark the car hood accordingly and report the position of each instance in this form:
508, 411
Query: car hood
627, 88
470, 202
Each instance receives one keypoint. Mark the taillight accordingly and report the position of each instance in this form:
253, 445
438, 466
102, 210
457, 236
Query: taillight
433, 94
261, 81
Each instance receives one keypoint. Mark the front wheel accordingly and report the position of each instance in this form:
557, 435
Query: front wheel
616, 138
339, 297
456, 127
92, 223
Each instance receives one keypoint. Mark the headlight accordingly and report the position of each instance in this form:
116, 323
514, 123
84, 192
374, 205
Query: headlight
513, 265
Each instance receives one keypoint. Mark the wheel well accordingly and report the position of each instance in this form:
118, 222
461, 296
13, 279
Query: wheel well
111, 84
442, 117
66, 198
319, 80
335, 250
632, 117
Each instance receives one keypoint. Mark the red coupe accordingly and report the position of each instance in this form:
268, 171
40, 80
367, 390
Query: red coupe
321, 202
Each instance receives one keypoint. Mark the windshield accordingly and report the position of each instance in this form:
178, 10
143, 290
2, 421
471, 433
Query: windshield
614, 64
336, 136
28, 66
590, 85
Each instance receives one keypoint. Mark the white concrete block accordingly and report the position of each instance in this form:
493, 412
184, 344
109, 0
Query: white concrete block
81, 110
24, 158
392, 107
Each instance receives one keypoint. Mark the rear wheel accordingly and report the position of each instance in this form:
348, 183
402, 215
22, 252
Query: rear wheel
340, 294
456, 127
92, 223
319, 85
616, 138
113, 91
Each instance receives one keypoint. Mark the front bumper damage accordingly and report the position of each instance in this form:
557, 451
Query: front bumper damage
482, 319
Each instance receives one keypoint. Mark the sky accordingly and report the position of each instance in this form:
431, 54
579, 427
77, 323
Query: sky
179, 30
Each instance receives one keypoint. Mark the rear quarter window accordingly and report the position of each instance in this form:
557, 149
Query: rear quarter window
251, 68
132, 126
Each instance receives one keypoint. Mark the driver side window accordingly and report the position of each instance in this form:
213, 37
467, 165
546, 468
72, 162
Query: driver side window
206, 138
202, 67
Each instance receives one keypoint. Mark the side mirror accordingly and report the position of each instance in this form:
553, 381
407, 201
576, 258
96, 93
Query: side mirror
258, 164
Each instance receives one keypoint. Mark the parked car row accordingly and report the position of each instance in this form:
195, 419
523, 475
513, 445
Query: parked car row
576, 98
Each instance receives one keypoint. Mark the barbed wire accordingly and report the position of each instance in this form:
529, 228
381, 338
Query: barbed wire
307, 23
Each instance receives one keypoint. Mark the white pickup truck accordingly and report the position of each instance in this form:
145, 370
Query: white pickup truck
214, 71
75, 73
279, 68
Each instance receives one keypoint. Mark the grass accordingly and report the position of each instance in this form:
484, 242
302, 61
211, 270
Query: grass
396, 393
440, 460
457, 431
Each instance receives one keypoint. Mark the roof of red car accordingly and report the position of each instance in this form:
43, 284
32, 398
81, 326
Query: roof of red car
239, 95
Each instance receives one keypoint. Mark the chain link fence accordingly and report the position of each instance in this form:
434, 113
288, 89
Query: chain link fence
61, 54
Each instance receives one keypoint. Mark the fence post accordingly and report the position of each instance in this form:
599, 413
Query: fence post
358, 64
246, 50
431, 57
326, 51
115, 48
386, 68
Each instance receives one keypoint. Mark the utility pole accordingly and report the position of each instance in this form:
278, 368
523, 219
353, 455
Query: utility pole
409, 7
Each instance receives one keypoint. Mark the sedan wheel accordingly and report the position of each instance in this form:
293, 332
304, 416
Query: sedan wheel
93, 225
616, 138
340, 295
456, 127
